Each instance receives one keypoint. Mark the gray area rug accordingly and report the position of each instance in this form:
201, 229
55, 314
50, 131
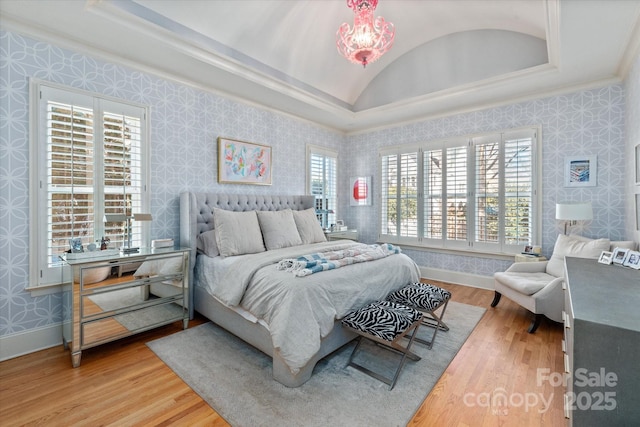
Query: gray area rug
139, 318
235, 379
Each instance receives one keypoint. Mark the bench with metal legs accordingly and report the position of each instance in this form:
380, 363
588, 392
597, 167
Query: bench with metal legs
385, 323
429, 299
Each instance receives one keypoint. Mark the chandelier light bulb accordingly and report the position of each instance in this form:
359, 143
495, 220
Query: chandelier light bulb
369, 38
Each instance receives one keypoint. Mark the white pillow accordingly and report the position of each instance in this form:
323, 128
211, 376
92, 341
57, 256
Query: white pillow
278, 229
574, 246
237, 233
625, 244
207, 244
171, 265
309, 226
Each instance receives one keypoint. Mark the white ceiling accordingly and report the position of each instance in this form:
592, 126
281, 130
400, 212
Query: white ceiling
448, 55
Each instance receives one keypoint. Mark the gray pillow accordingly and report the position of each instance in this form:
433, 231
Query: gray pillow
309, 226
278, 229
207, 244
237, 233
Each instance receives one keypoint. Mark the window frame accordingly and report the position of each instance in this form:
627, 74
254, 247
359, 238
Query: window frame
324, 152
470, 244
41, 275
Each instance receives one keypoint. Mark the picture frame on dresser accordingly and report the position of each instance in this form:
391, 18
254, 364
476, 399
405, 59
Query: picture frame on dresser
632, 260
619, 255
606, 257
241, 162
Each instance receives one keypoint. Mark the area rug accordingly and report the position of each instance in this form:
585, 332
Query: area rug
235, 379
137, 319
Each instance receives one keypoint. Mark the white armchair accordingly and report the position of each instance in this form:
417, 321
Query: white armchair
537, 286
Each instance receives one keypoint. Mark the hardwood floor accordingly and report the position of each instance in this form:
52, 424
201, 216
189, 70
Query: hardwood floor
493, 380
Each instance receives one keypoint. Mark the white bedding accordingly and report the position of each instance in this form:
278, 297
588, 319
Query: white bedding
300, 311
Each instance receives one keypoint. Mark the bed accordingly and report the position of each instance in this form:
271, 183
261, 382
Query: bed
238, 285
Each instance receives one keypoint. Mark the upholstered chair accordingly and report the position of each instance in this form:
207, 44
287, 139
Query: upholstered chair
537, 286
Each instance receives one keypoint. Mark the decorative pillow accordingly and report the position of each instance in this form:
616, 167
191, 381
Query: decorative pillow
309, 226
278, 229
574, 246
148, 269
171, 265
207, 244
237, 233
625, 244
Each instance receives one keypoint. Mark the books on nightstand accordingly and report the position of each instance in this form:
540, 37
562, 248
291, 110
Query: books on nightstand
162, 243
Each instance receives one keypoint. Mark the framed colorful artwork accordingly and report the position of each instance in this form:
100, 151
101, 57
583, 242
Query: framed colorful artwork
638, 211
360, 191
242, 162
580, 171
638, 164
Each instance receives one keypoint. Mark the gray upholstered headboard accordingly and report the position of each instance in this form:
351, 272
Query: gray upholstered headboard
196, 211
196, 215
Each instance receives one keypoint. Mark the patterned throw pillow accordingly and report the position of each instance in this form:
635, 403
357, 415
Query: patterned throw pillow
422, 296
383, 319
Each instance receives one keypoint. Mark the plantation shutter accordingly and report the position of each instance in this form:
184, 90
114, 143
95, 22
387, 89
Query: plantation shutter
487, 190
71, 173
468, 193
433, 194
400, 182
122, 174
456, 195
322, 177
518, 194
90, 161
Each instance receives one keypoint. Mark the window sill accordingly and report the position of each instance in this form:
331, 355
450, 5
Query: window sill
464, 252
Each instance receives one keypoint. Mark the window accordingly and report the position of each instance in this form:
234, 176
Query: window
89, 158
471, 193
322, 179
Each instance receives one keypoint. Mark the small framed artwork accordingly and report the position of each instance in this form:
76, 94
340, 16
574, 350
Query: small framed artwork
580, 171
638, 212
606, 257
360, 191
638, 164
619, 255
242, 162
632, 260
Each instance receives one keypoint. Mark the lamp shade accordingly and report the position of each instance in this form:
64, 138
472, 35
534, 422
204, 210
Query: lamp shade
142, 217
568, 211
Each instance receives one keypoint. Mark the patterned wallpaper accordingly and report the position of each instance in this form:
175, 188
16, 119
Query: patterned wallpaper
632, 132
185, 123
581, 123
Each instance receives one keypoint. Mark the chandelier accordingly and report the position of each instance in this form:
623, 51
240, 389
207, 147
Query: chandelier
369, 39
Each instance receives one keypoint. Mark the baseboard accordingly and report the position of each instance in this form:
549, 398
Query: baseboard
30, 341
458, 278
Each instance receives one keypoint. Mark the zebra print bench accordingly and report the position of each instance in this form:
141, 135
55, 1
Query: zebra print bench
427, 299
385, 323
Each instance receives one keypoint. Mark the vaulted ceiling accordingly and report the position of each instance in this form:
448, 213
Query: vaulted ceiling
448, 55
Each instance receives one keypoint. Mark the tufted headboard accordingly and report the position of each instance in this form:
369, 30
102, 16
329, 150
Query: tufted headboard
196, 211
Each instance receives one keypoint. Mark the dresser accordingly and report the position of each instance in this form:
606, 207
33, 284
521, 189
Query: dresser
111, 295
601, 344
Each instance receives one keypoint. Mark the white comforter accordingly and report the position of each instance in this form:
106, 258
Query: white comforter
300, 311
